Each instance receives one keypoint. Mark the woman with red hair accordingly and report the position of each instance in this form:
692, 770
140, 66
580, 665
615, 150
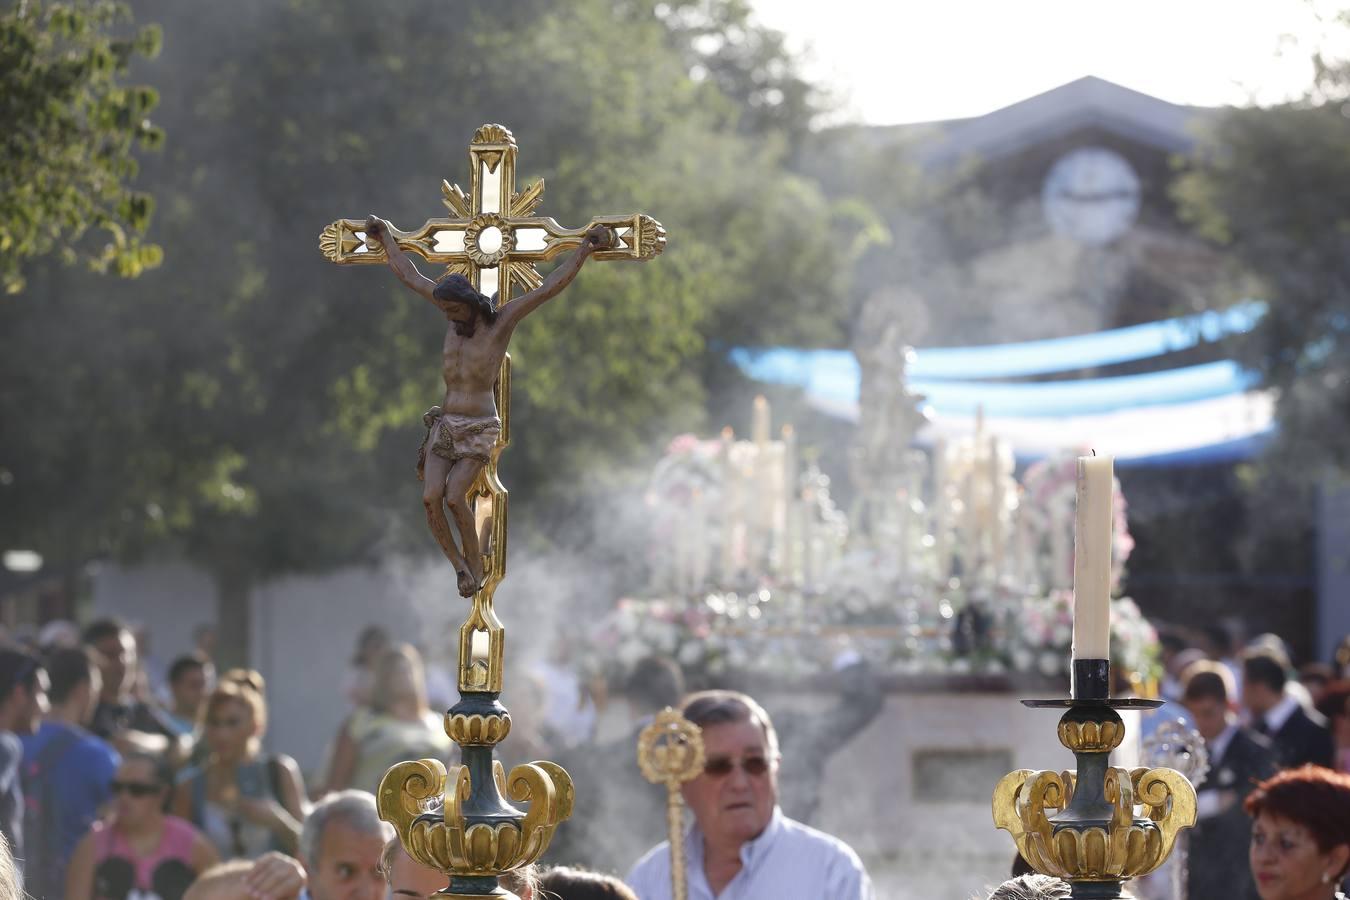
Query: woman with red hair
1300, 846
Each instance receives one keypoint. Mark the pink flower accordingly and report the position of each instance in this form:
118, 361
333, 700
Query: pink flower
682, 444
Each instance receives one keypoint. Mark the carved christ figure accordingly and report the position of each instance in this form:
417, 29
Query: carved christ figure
462, 431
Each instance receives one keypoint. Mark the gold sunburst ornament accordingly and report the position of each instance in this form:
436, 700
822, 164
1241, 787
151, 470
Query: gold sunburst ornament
670, 752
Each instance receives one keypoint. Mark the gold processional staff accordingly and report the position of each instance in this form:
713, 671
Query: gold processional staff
670, 752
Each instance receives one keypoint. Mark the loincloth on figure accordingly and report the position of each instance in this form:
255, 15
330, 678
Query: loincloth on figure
453, 437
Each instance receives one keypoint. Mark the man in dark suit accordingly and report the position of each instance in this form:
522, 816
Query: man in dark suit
1298, 735
1238, 758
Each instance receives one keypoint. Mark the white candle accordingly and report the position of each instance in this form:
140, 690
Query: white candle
759, 428
939, 522
730, 498
699, 535
1092, 559
1020, 573
808, 518
996, 503
783, 523
906, 512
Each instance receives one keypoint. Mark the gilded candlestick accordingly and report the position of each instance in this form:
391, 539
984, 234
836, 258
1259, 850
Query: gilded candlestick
1099, 825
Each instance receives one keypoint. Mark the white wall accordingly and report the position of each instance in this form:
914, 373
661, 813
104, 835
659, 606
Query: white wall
171, 598
303, 631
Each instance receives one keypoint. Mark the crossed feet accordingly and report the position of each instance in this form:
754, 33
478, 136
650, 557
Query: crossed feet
468, 585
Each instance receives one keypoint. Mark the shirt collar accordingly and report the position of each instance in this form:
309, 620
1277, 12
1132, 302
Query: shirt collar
752, 851
1280, 713
756, 848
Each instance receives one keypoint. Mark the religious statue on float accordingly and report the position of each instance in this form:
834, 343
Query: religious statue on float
883, 469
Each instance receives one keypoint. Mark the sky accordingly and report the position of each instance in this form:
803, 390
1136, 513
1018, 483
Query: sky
896, 61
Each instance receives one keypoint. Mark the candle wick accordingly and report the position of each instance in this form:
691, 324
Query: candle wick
1094, 451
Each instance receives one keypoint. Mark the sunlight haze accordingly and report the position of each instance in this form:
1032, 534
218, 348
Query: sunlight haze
915, 62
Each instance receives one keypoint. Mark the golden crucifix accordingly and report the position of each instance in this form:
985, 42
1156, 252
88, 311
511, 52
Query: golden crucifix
670, 752
490, 246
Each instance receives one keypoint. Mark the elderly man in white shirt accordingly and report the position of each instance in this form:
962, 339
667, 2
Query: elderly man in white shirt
741, 846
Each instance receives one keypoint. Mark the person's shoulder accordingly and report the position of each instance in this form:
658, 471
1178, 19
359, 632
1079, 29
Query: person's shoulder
32, 743
653, 868
92, 746
1309, 719
180, 833
284, 763
362, 721
1247, 740
800, 836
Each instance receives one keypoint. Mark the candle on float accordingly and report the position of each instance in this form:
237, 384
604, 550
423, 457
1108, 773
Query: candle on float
783, 526
1092, 559
759, 428
939, 507
698, 546
806, 507
729, 502
973, 549
996, 508
906, 510
1021, 566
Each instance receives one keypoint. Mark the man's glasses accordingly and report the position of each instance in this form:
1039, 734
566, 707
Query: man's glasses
134, 788
722, 766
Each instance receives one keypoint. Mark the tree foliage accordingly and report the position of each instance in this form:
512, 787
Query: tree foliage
1272, 188
260, 408
66, 160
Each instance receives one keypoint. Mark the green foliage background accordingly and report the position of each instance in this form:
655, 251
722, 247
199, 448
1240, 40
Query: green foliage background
258, 409
1271, 187
71, 124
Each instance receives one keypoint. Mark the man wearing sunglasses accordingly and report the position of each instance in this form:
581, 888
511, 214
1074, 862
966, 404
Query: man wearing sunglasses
741, 846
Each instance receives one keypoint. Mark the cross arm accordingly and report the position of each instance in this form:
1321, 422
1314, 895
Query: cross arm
638, 236
346, 243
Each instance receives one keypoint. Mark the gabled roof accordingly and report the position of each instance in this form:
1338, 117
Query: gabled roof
1087, 102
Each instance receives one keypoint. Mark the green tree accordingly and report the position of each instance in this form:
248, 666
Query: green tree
71, 124
1271, 186
265, 405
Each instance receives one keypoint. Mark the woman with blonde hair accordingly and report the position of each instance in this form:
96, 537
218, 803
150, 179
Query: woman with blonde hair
246, 802
10, 882
396, 726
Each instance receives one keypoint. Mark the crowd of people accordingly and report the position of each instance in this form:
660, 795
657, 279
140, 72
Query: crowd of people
113, 786
1258, 715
